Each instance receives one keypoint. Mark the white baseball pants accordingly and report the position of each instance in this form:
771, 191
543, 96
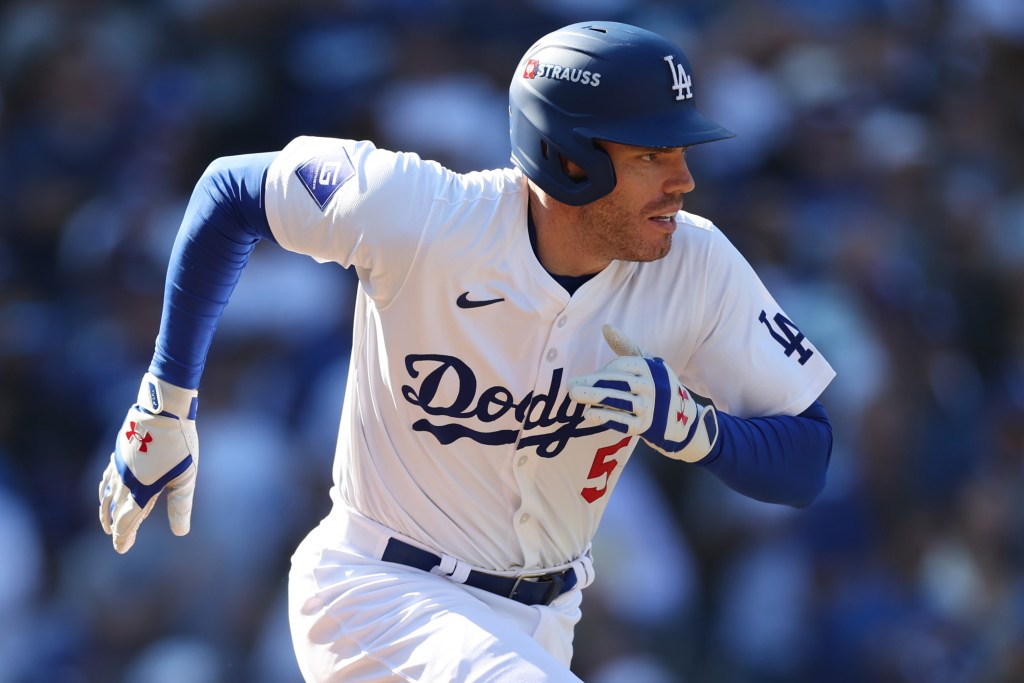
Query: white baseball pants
360, 620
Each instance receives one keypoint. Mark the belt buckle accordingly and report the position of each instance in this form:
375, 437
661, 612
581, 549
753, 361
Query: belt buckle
554, 585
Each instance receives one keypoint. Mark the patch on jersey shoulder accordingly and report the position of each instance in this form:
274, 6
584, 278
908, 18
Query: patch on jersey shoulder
323, 175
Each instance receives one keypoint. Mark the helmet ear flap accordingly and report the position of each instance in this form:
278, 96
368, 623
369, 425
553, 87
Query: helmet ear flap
545, 162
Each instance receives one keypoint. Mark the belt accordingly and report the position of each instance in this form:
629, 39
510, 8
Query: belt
529, 589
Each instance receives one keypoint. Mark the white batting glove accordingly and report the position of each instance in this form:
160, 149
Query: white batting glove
641, 396
156, 449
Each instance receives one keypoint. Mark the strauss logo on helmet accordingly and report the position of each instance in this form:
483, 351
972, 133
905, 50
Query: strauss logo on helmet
536, 69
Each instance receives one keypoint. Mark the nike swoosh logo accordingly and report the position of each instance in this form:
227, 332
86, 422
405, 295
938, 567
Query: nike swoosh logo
464, 302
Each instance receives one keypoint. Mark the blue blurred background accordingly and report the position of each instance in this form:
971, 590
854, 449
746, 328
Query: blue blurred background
877, 184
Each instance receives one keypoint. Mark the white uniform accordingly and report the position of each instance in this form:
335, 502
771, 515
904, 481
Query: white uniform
457, 434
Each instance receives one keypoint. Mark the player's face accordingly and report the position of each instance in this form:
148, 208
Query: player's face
635, 221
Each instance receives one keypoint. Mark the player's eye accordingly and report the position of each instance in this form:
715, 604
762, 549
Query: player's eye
663, 154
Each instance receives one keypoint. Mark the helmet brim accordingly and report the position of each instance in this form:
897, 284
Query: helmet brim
658, 131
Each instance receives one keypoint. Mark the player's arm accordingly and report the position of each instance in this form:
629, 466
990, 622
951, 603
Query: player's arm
157, 447
779, 459
223, 222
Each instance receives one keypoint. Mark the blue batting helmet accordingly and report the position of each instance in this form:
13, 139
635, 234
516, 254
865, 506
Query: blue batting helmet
599, 80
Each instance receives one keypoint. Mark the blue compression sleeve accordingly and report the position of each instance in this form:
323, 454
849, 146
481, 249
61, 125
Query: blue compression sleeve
780, 459
224, 220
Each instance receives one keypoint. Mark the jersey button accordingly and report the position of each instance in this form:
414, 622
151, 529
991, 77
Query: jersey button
552, 355
562, 321
524, 518
522, 460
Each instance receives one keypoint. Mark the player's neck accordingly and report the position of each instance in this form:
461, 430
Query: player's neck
557, 247
569, 282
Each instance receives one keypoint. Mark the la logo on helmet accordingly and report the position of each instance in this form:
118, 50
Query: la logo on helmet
680, 79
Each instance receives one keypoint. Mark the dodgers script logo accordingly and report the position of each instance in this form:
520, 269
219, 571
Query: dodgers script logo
534, 411
680, 79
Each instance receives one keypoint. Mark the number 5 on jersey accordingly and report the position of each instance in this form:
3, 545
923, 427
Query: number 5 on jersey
602, 467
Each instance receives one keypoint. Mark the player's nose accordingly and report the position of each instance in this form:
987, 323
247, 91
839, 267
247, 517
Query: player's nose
678, 178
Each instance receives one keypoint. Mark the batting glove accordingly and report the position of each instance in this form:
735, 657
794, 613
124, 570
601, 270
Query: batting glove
157, 449
641, 396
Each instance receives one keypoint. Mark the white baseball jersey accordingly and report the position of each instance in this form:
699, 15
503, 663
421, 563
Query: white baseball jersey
457, 430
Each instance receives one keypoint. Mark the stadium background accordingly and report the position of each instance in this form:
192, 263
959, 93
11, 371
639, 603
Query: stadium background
877, 183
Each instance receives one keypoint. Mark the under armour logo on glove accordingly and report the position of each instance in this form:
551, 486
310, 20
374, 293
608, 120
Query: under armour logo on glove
142, 437
684, 396
640, 395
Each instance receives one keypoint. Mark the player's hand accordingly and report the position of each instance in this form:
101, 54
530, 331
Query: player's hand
640, 395
156, 449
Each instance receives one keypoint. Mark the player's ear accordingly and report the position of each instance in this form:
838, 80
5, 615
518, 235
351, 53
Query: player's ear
570, 169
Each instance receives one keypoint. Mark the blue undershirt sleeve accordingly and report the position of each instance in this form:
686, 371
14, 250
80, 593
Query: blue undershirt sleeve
224, 220
781, 459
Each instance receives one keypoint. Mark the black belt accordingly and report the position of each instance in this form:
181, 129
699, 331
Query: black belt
529, 589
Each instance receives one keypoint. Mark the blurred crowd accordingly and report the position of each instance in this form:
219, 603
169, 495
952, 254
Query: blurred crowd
876, 183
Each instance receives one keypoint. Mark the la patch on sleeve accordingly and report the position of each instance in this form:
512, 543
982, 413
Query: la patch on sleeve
323, 175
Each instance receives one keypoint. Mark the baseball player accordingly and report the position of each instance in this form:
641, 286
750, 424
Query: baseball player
517, 333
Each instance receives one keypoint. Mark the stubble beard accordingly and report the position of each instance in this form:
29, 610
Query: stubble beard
614, 233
